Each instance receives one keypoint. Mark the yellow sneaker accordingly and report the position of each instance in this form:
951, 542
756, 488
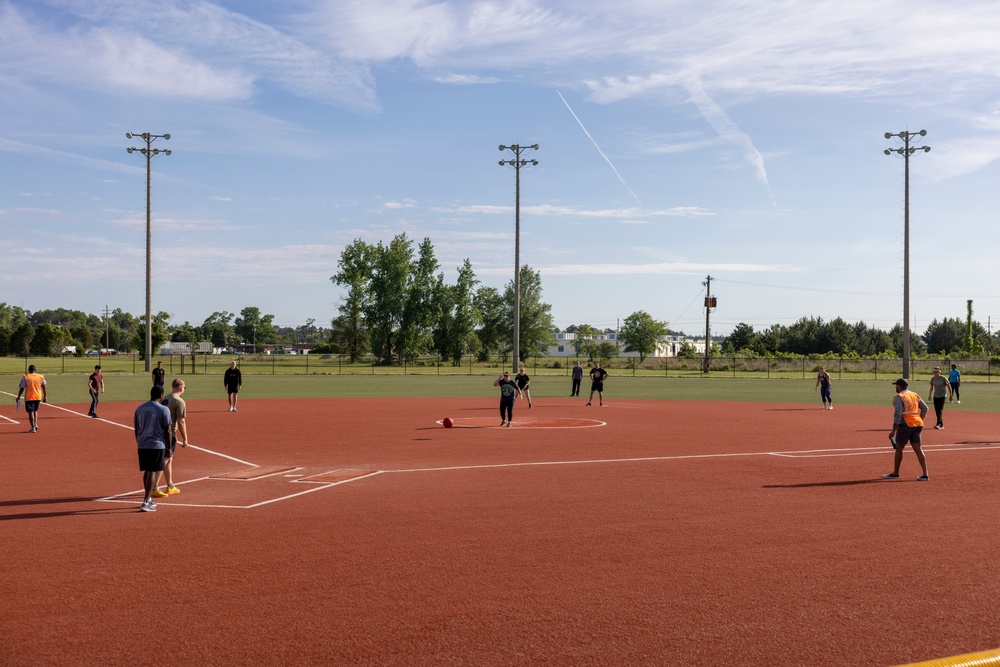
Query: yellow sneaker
158, 494
171, 490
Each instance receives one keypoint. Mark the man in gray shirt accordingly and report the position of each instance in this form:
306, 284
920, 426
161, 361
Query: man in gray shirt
152, 433
940, 389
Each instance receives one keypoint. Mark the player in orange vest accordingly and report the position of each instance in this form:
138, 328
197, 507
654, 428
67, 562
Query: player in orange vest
33, 388
909, 411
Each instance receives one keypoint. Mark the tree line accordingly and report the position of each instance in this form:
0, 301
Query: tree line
48, 332
812, 336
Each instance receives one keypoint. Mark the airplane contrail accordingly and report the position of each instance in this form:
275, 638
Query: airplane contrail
606, 158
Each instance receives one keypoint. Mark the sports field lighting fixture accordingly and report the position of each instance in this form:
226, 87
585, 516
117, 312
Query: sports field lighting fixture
148, 151
517, 163
906, 150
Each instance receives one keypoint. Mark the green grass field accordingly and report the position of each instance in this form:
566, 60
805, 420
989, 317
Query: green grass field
72, 388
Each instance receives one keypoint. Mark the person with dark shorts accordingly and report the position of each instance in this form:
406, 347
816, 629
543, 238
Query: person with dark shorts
597, 377
577, 379
825, 384
33, 387
940, 389
508, 392
159, 375
152, 435
955, 379
523, 381
233, 380
96, 385
908, 415
178, 433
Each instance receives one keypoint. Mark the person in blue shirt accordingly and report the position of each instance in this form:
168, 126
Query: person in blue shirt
152, 435
955, 379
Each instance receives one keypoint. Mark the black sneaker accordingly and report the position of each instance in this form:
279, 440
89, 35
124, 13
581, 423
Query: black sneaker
891, 475
923, 478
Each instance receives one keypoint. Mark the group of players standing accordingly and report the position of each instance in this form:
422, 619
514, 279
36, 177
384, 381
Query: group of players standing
909, 411
519, 388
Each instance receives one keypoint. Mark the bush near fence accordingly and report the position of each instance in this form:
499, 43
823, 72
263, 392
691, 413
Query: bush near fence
975, 370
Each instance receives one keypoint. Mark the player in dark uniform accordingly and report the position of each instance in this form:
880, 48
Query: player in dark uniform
597, 375
508, 391
523, 381
233, 380
159, 375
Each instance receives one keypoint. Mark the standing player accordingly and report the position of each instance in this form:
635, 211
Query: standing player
159, 375
96, 385
908, 412
577, 379
955, 379
178, 426
523, 381
938, 391
508, 391
597, 377
33, 387
233, 380
825, 383
152, 435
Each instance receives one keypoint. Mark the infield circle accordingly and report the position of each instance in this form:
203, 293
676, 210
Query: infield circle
556, 422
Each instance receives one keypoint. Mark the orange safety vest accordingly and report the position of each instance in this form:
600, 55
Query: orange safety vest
33, 386
911, 408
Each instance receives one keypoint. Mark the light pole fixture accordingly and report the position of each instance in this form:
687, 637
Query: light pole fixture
906, 150
148, 151
517, 163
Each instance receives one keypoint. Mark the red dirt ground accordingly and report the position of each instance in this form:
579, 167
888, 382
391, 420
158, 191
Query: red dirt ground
676, 533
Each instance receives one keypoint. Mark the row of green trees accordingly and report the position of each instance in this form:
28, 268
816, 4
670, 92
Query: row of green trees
813, 336
47, 332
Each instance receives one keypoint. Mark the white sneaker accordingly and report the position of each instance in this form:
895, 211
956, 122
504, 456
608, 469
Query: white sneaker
959, 402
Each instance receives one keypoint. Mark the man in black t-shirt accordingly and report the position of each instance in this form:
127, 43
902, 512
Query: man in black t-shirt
597, 377
508, 391
523, 381
159, 375
233, 380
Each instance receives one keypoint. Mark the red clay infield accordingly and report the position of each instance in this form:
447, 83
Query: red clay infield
363, 532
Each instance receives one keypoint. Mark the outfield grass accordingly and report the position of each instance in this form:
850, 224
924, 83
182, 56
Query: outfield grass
66, 389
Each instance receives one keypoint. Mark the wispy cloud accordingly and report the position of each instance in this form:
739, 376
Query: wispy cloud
663, 268
620, 213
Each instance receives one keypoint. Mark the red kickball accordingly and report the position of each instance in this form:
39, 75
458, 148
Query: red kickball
448, 422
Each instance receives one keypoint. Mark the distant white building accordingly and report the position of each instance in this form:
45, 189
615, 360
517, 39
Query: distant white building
668, 346
185, 348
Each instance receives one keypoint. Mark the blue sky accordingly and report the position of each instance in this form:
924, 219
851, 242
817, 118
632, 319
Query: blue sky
677, 140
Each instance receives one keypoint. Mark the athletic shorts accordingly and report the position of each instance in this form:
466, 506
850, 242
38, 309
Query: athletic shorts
151, 460
596, 386
31, 406
173, 446
908, 434
233, 388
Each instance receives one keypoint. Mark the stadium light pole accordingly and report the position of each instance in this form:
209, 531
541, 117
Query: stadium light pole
906, 150
517, 163
148, 151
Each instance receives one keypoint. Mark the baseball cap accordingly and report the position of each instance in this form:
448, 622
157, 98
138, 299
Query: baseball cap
902, 383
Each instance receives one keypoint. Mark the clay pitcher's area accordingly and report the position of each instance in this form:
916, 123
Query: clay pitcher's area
356, 531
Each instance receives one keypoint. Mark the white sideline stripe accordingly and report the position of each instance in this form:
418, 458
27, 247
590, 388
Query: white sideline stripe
805, 453
12, 421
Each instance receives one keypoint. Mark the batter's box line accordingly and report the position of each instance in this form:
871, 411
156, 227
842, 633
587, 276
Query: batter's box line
122, 497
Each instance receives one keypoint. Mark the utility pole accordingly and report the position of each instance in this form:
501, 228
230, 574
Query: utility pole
517, 163
906, 150
709, 305
148, 151
107, 329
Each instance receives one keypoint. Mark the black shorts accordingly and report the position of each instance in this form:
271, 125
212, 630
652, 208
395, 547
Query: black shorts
908, 434
31, 406
151, 460
233, 388
596, 386
173, 446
